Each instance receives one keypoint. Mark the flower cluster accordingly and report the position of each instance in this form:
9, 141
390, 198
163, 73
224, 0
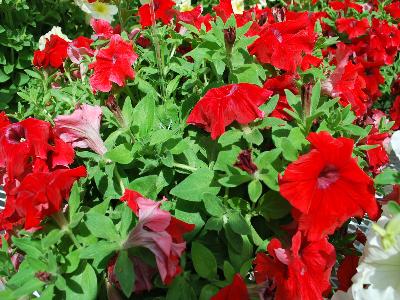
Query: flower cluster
35, 172
269, 128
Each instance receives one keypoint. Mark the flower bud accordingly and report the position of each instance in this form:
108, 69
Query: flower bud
230, 37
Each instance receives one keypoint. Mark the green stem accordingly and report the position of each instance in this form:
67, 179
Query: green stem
62, 222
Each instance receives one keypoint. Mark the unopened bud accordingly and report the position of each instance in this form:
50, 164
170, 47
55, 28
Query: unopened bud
230, 37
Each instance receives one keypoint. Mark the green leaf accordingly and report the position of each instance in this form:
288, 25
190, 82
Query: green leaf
230, 137
235, 180
195, 185
270, 106
388, 176
82, 285
28, 246
288, 150
148, 186
273, 206
315, 96
180, 290
144, 114
52, 238
208, 291
101, 226
160, 136
120, 154
254, 189
125, 272
213, 205
238, 224
204, 261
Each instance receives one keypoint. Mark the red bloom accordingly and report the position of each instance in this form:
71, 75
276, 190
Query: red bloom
301, 272
377, 157
393, 9
163, 10
352, 27
224, 9
327, 187
103, 29
346, 270
284, 44
113, 64
39, 195
308, 61
159, 232
221, 106
237, 290
347, 82
54, 53
395, 113
194, 18
337, 5
278, 85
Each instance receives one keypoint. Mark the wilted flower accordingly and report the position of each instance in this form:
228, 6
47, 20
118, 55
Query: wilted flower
159, 232
82, 128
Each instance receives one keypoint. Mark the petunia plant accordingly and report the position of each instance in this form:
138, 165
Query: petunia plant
206, 150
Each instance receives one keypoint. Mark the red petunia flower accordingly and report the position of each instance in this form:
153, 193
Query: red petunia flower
159, 232
301, 272
309, 61
41, 194
352, 27
193, 17
377, 157
226, 104
393, 9
53, 55
237, 290
81, 129
395, 113
284, 44
224, 9
347, 82
326, 186
278, 85
113, 64
103, 30
345, 5
163, 10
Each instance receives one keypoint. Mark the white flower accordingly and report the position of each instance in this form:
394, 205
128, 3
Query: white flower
378, 275
238, 6
395, 143
98, 10
184, 5
56, 31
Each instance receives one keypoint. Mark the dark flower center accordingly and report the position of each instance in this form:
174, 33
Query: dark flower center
328, 176
15, 134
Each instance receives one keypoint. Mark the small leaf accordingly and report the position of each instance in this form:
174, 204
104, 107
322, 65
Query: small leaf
125, 272
120, 154
254, 190
204, 261
101, 226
